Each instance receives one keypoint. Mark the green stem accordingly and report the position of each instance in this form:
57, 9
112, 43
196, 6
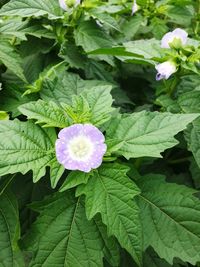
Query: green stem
177, 161
196, 29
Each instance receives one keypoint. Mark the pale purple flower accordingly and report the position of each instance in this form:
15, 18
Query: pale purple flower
134, 7
165, 70
66, 4
80, 147
177, 34
63, 4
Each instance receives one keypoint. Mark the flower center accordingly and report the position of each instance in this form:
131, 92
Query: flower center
80, 148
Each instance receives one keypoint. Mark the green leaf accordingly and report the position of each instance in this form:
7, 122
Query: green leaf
25, 146
89, 101
62, 235
11, 59
90, 36
10, 231
110, 193
100, 102
75, 178
192, 135
190, 102
130, 28
147, 133
152, 259
170, 216
149, 49
195, 172
104, 18
111, 247
48, 114
18, 28
4, 115
65, 85
56, 171
29, 8
11, 98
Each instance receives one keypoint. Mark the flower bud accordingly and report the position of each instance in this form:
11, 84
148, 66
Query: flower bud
135, 7
176, 39
66, 4
165, 70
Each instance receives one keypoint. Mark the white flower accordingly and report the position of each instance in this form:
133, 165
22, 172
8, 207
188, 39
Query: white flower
66, 4
63, 4
165, 70
178, 34
135, 7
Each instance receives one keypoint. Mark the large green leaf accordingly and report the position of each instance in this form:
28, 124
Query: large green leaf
46, 113
62, 235
90, 36
110, 193
192, 135
147, 133
189, 102
25, 146
18, 28
170, 216
11, 59
10, 255
149, 49
65, 85
29, 8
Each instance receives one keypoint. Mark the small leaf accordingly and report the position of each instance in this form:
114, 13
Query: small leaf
75, 178
100, 102
56, 171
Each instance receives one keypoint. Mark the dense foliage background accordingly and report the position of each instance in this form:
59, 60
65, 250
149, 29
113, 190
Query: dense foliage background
95, 63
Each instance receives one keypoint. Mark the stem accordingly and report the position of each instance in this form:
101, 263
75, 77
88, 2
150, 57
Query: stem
177, 161
196, 29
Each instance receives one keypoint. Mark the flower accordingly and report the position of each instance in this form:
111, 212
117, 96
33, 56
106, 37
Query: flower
66, 4
178, 35
80, 147
165, 70
135, 7
63, 4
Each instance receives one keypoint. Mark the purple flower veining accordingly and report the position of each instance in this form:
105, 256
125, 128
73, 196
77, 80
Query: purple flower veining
80, 147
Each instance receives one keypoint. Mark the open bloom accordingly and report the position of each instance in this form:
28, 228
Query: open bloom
165, 70
80, 147
178, 34
134, 7
66, 4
